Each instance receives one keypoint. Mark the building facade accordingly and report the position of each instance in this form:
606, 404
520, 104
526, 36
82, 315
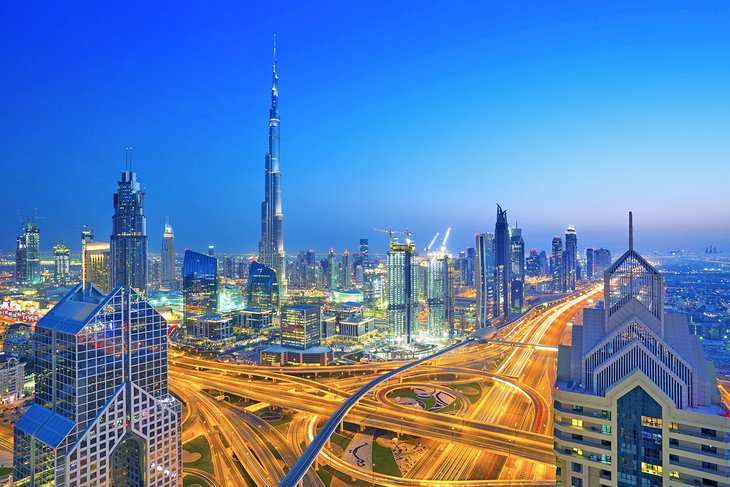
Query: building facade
95, 263
517, 286
570, 258
402, 292
300, 326
263, 288
438, 295
201, 285
271, 245
28, 256
12, 376
168, 281
636, 402
485, 278
102, 413
557, 266
502, 266
61, 264
128, 242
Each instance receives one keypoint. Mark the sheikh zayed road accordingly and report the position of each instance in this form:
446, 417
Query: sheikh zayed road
499, 428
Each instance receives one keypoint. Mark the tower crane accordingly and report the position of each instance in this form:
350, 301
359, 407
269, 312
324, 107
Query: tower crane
446, 238
433, 241
390, 233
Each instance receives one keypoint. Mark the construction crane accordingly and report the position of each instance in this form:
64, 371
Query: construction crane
433, 241
390, 233
446, 238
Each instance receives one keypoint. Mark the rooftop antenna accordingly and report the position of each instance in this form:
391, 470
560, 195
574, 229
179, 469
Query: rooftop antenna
631, 231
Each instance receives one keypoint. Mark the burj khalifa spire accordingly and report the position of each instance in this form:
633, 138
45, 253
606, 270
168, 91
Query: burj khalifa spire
271, 246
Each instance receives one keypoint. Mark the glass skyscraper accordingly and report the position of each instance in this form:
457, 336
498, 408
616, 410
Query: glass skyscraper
200, 284
570, 258
517, 285
167, 278
502, 265
438, 295
557, 266
128, 244
263, 288
28, 256
61, 264
102, 413
300, 326
402, 291
485, 278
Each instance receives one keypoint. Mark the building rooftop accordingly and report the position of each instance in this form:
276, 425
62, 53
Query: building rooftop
312, 350
47, 426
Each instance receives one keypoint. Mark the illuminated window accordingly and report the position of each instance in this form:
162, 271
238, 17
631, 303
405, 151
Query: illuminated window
651, 422
578, 423
578, 451
605, 429
673, 474
651, 469
673, 426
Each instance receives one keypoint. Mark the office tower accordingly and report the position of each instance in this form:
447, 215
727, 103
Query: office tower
333, 270
601, 261
300, 326
589, 263
128, 242
12, 378
95, 262
570, 258
533, 267
346, 280
364, 253
102, 413
502, 265
438, 294
556, 267
311, 271
469, 268
263, 288
271, 246
200, 285
28, 256
212, 328
517, 249
544, 264
61, 264
402, 291
485, 278
636, 402
168, 282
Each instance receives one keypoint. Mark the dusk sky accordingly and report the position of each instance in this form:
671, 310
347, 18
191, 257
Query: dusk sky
410, 114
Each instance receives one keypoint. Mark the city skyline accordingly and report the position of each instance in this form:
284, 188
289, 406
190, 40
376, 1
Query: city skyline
203, 102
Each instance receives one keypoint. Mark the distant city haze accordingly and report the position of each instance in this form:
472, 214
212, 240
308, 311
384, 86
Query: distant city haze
405, 114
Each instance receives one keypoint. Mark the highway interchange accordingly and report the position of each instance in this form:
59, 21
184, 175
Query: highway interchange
503, 437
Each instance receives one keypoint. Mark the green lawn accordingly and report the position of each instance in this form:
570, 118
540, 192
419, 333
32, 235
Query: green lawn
191, 479
5, 471
383, 460
340, 440
200, 445
428, 403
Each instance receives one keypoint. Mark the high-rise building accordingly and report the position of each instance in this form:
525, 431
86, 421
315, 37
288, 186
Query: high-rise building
601, 261
168, 282
533, 267
484, 278
61, 264
636, 402
589, 263
102, 413
517, 286
271, 246
200, 285
570, 258
96, 263
346, 272
263, 288
300, 326
402, 291
438, 295
333, 270
28, 256
502, 265
469, 267
364, 253
128, 244
557, 267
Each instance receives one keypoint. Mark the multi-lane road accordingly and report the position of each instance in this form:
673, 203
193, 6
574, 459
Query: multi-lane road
504, 437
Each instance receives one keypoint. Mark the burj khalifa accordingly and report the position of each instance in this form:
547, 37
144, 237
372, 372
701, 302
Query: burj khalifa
271, 246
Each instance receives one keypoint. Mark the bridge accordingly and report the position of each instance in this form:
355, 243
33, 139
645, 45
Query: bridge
543, 348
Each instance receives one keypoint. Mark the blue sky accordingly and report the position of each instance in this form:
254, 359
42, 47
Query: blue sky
412, 114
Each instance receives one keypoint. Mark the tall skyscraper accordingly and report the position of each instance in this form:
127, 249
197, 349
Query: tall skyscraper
201, 285
402, 291
364, 253
533, 267
61, 264
438, 295
517, 286
485, 278
271, 246
95, 262
557, 266
570, 258
636, 402
102, 413
346, 272
167, 279
128, 244
263, 288
502, 265
601, 261
589, 263
333, 270
28, 256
